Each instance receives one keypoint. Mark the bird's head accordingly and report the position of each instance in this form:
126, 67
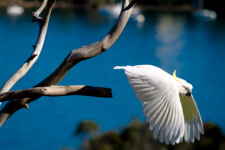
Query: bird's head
184, 87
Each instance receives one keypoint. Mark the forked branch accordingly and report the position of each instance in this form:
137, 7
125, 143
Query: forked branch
72, 59
43, 23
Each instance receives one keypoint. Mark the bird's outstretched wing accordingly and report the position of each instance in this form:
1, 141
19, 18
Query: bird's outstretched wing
158, 92
192, 118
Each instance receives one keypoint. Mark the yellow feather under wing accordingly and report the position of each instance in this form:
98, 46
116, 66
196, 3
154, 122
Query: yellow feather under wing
192, 118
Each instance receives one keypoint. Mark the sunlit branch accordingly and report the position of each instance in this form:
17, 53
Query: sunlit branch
37, 48
72, 59
57, 91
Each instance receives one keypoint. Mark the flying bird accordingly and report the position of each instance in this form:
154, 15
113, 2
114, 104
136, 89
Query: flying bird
168, 104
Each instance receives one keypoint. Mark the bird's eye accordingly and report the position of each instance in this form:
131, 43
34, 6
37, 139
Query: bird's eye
186, 89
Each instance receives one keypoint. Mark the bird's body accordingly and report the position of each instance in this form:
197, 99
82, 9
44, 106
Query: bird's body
168, 103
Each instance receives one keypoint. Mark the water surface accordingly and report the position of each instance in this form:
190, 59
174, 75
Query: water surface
169, 40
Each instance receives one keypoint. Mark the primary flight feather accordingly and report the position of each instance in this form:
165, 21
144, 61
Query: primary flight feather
168, 103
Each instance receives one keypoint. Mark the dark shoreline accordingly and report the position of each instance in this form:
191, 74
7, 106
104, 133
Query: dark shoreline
64, 5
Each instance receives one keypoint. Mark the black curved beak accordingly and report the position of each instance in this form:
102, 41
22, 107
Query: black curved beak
188, 93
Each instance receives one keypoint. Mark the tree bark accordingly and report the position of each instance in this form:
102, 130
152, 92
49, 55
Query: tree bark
43, 24
57, 91
72, 59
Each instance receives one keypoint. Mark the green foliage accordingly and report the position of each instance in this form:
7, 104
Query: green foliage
86, 127
137, 136
212, 139
108, 141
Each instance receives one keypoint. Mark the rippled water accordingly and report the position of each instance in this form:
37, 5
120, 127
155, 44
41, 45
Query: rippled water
170, 40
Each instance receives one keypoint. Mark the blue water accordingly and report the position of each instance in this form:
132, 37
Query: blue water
169, 40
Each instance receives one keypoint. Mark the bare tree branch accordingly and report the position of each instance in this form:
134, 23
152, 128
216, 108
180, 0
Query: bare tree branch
57, 91
40, 9
43, 23
72, 59
92, 50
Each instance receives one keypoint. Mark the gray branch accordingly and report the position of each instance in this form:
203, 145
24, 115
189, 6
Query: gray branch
57, 91
37, 48
72, 59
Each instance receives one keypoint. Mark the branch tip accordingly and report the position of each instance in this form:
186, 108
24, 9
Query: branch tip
26, 106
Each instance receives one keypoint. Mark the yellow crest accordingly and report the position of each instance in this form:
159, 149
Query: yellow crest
174, 76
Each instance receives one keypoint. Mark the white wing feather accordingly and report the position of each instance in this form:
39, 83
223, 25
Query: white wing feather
158, 92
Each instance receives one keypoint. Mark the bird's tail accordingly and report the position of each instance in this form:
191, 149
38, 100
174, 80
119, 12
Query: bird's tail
119, 67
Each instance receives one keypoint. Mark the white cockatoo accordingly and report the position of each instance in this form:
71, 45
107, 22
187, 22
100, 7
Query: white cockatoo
168, 103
